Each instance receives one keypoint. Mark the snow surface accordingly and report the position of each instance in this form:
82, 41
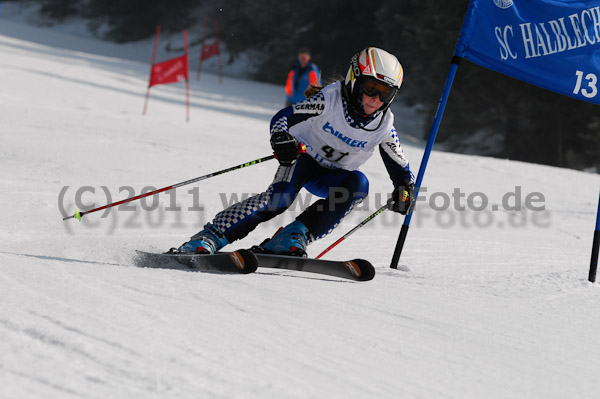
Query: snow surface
475, 312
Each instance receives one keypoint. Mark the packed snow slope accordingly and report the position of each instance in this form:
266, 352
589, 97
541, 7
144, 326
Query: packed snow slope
486, 304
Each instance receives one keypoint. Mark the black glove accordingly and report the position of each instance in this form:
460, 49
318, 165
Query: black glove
285, 146
403, 199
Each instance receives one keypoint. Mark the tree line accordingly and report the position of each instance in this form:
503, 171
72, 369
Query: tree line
487, 113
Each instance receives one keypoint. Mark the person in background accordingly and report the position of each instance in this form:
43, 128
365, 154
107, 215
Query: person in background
303, 74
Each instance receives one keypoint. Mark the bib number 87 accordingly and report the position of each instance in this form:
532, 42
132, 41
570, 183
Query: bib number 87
591, 90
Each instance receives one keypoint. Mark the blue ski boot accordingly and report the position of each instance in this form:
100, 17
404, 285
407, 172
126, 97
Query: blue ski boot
289, 240
208, 241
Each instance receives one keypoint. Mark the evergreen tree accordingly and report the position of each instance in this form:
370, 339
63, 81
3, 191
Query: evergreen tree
59, 10
137, 19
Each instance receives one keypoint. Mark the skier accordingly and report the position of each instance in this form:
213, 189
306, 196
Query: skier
339, 127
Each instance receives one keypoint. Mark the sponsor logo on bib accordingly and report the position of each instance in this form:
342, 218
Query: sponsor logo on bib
320, 107
348, 140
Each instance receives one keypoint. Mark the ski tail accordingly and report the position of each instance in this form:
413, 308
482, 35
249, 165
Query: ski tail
240, 261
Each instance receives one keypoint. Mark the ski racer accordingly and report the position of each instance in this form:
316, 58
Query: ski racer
340, 126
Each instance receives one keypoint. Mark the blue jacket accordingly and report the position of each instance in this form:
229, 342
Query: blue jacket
298, 81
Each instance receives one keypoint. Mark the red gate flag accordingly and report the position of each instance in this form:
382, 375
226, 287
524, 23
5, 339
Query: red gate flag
171, 71
209, 50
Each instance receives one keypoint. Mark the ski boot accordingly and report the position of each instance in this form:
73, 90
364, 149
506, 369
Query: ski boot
290, 240
208, 241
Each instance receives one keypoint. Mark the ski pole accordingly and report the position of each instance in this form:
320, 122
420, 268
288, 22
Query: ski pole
348, 234
78, 215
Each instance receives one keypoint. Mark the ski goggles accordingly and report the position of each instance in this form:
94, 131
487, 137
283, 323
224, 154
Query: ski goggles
372, 88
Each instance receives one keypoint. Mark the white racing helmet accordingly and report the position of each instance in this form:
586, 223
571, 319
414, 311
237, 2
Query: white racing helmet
372, 71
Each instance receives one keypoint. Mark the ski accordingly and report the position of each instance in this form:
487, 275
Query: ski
241, 261
356, 269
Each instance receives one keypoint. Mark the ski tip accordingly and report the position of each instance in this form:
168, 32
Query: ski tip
360, 269
244, 260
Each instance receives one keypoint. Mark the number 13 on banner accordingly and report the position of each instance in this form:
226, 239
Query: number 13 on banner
591, 90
